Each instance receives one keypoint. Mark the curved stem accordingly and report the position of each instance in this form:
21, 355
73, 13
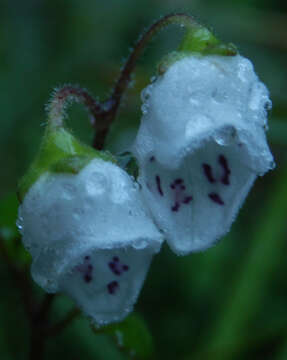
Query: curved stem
106, 112
65, 95
183, 20
122, 83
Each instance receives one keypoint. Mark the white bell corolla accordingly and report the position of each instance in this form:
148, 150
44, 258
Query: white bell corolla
90, 237
200, 146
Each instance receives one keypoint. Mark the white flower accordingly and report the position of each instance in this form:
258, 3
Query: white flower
201, 145
90, 237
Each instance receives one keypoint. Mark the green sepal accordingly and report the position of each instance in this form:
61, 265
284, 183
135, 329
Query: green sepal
201, 40
128, 162
60, 152
197, 41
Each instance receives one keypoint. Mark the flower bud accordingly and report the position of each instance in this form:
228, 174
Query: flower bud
201, 145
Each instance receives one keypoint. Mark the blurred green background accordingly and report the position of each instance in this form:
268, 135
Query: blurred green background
227, 303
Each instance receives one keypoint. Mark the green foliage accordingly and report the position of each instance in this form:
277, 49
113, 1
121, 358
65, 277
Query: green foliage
131, 336
8, 231
8, 216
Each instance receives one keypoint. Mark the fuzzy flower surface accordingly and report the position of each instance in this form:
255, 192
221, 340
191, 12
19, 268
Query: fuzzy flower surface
90, 237
200, 146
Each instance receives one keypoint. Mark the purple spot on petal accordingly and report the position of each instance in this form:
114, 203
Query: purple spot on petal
117, 267
88, 278
208, 173
187, 199
86, 269
112, 265
152, 158
158, 184
223, 162
175, 207
180, 197
216, 198
112, 287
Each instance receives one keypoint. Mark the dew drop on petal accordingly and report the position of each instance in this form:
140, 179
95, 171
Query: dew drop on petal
68, 191
96, 184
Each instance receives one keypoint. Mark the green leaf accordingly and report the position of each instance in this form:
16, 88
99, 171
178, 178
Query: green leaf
8, 229
131, 335
8, 216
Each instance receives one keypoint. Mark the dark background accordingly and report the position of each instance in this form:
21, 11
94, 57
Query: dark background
227, 303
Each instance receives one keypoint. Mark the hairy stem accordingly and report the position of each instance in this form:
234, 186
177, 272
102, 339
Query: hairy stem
124, 79
61, 99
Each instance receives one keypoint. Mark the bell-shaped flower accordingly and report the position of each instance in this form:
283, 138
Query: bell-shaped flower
200, 146
88, 232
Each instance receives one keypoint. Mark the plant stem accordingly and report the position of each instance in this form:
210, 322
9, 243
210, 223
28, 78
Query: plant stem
61, 98
108, 117
104, 114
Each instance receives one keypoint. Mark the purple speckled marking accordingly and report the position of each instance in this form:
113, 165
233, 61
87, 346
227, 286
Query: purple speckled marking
158, 184
86, 269
113, 287
116, 267
175, 207
180, 197
208, 173
223, 162
187, 199
216, 198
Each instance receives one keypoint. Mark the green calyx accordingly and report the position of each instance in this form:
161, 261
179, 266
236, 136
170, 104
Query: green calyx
200, 41
60, 152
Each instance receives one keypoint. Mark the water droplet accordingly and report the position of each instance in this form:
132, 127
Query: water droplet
225, 136
96, 184
19, 224
144, 108
145, 94
219, 96
78, 213
69, 191
272, 165
268, 105
193, 101
257, 96
140, 244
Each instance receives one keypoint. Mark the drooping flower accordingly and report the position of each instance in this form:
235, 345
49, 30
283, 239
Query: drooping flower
200, 146
85, 225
